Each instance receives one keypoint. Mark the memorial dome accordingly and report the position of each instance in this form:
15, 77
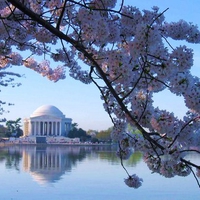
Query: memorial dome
47, 110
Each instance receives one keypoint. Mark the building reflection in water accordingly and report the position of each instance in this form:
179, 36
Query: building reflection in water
44, 164
47, 164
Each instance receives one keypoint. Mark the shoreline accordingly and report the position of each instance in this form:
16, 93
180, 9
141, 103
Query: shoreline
4, 144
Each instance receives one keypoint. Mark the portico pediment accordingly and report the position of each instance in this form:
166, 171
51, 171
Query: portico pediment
45, 117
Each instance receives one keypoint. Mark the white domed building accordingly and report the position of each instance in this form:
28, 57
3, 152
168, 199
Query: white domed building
47, 121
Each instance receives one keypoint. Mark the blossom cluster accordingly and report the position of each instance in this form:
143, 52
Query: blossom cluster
44, 69
134, 181
167, 166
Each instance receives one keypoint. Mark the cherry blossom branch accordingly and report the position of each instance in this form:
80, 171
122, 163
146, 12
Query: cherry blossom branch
121, 160
102, 9
82, 49
189, 164
102, 93
61, 15
183, 127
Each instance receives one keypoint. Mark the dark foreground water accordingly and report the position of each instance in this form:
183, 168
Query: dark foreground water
82, 173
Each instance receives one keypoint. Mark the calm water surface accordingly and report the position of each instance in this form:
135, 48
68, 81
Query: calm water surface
83, 173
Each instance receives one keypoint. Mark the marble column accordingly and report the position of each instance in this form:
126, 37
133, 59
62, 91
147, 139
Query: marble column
55, 128
60, 129
35, 128
51, 128
30, 128
43, 128
47, 129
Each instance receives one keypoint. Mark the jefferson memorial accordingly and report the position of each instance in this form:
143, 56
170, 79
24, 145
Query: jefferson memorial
47, 120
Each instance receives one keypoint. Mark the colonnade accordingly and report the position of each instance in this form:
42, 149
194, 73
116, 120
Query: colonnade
45, 128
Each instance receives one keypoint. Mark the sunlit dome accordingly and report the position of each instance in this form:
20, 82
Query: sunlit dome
47, 110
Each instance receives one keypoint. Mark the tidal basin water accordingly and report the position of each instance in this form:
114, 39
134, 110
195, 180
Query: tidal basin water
83, 173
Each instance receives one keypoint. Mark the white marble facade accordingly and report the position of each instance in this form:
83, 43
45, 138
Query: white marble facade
47, 120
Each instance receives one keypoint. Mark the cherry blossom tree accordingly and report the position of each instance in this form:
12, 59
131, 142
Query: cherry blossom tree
128, 55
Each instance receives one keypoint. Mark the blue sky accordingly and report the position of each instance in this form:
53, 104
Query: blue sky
82, 102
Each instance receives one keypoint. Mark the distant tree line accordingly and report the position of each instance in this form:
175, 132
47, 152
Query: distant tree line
12, 129
90, 135
103, 135
95, 136
76, 132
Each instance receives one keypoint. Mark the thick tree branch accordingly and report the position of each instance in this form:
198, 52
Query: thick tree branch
82, 49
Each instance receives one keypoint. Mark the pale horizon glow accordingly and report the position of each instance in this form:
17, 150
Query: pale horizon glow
82, 102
